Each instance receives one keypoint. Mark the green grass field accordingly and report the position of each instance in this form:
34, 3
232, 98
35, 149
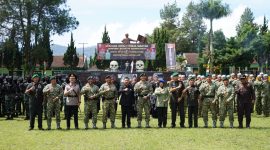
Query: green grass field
14, 134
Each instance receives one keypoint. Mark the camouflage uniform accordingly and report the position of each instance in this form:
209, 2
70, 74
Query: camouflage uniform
225, 96
90, 103
198, 83
109, 92
258, 87
235, 83
53, 95
266, 98
218, 84
208, 92
143, 88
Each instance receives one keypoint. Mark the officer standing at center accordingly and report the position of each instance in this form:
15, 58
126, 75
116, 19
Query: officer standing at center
53, 93
208, 91
110, 93
144, 90
91, 92
225, 96
175, 87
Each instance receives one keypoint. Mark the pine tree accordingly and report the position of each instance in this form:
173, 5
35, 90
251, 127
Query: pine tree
71, 57
160, 37
103, 64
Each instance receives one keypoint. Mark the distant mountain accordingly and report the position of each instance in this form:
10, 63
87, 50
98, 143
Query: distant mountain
59, 50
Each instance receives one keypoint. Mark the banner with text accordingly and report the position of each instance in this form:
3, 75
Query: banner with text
119, 51
170, 56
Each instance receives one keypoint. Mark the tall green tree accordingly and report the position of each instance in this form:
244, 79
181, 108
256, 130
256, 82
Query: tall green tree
104, 64
71, 57
192, 30
160, 37
170, 21
247, 37
213, 9
12, 55
30, 17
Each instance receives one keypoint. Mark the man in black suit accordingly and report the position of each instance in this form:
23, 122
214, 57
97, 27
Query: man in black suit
126, 101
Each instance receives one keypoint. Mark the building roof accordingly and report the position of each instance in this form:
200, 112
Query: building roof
191, 58
58, 62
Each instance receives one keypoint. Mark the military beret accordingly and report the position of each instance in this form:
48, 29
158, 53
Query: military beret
191, 78
35, 75
108, 76
142, 74
209, 75
52, 78
90, 77
225, 78
175, 74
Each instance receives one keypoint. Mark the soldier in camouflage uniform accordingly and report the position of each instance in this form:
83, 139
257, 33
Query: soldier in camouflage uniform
144, 90
45, 82
258, 87
198, 83
266, 96
53, 94
235, 83
109, 91
90, 102
225, 96
208, 91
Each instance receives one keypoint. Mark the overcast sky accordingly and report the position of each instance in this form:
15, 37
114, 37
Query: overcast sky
141, 17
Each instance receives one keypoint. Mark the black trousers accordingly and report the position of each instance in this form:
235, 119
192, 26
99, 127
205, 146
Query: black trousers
35, 110
192, 115
162, 116
126, 113
182, 113
174, 106
72, 110
244, 108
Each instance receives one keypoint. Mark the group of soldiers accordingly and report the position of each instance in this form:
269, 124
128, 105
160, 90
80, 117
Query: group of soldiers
221, 94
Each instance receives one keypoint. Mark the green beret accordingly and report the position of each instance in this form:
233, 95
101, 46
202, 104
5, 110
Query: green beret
52, 78
191, 78
35, 75
175, 74
225, 78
